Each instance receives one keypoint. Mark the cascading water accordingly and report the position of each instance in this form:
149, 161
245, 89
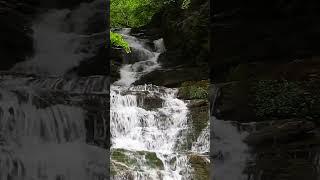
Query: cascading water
146, 136
61, 41
230, 153
50, 126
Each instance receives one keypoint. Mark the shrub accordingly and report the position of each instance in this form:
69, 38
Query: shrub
274, 98
194, 90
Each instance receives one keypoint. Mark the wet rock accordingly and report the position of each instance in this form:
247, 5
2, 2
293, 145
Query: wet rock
281, 131
150, 103
291, 160
197, 103
199, 116
259, 100
147, 100
173, 77
232, 102
15, 25
96, 65
116, 61
132, 159
200, 165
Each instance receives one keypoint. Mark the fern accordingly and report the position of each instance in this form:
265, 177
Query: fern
118, 41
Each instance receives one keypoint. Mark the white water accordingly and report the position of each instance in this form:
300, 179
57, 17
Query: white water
59, 40
232, 153
159, 130
202, 145
40, 138
46, 142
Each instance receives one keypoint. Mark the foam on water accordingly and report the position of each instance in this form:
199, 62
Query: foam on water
202, 145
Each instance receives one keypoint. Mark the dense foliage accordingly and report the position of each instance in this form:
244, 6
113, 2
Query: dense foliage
118, 41
194, 90
132, 13
275, 98
135, 13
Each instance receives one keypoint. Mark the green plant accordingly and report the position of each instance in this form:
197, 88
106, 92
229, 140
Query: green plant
117, 40
275, 98
132, 13
194, 90
185, 4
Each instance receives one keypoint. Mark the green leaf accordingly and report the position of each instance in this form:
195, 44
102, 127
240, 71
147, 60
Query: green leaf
117, 40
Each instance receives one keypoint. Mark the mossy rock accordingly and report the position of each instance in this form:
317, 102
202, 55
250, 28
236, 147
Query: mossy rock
200, 166
199, 117
260, 100
115, 168
153, 160
194, 90
123, 160
122, 156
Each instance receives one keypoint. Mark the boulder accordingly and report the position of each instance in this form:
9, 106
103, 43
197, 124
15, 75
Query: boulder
281, 131
174, 76
200, 165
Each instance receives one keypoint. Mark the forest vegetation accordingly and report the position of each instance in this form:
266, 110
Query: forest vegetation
133, 14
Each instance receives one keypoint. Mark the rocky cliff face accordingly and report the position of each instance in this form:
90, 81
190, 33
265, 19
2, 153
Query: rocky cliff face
265, 67
268, 32
271, 44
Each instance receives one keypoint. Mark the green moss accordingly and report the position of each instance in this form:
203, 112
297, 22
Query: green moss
154, 161
285, 99
200, 118
200, 166
124, 157
185, 4
115, 168
125, 160
194, 90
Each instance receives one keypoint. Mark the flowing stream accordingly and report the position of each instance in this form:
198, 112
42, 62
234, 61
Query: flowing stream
62, 40
230, 153
53, 127
149, 124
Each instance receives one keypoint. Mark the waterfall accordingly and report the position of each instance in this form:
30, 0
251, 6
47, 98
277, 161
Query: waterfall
61, 42
202, 145
230, 153
41, 138
146, 136
53, 127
